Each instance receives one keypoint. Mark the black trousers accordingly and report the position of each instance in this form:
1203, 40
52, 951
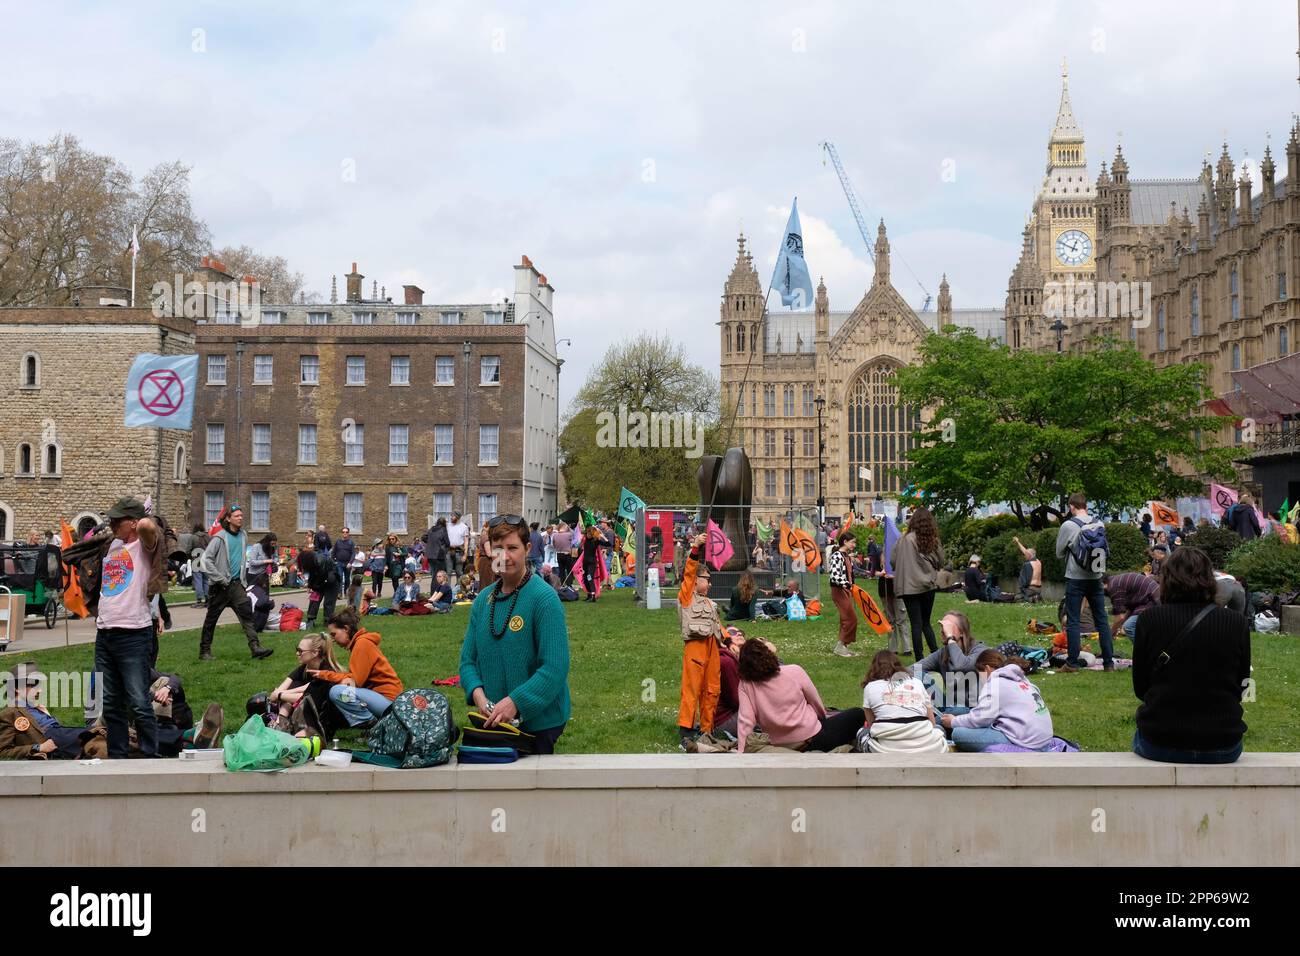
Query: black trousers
837, 730
231, 595
919, 608
546, 739
328, 597
377, 583
565, 561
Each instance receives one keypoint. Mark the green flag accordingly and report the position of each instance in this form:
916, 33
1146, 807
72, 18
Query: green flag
764, 531
629, 504
629, 538
588, 519
1286, 510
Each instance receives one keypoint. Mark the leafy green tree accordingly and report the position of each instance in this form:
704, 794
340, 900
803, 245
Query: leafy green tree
602, 448
1031, 429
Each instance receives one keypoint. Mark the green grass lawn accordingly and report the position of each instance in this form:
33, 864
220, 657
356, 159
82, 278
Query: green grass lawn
626, 666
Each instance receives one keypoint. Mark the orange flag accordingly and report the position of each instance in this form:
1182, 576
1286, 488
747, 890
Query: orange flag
848, 524
799, 543
73, 599
870, 611
1162, 515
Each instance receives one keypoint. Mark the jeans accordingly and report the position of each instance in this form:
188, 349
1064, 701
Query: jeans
975, 740
1075, 591
364, 706
455, 562
545, 742
200, 586
1131, 626
122, 657
919, 608
1144, 748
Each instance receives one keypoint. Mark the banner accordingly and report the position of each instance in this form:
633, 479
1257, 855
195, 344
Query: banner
717, 548
629, 504
73, 599
799, 544
1221, 499
160, 391
764, 531
870, 611
891, 539
791, 279
1163, 515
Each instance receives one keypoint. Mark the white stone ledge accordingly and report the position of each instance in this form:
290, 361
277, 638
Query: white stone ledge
658, 771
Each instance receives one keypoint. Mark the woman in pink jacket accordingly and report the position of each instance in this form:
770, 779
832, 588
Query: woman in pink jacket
782, 700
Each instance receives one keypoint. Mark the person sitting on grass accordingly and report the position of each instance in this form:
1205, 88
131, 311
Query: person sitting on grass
468, 588
303, 701
958, 655
407, 599
782, 700
976, 583
899, 715
743, 599
727, 714
1031, 574
443, 594
1010, 709
1191, 659
364, 692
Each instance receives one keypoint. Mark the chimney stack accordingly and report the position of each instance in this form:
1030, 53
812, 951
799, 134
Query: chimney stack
414, 295
354, 284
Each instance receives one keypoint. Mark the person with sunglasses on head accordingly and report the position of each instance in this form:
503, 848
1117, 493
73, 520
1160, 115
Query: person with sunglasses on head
514, 662
302, 701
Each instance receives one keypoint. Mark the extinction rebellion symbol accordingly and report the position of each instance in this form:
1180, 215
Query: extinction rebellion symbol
794, 243
162, 392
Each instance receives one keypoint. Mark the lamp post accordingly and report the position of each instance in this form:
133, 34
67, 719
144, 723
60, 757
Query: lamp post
1059, 328
790, 445
821, 467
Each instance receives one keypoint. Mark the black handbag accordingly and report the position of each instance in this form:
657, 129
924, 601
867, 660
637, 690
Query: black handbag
502, 735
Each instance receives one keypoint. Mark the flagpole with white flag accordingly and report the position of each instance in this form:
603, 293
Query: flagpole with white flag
135, 252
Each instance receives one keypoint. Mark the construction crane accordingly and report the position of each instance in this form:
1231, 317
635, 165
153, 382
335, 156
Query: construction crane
852, 197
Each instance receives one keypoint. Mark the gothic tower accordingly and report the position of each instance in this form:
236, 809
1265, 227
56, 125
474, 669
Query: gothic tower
740, 322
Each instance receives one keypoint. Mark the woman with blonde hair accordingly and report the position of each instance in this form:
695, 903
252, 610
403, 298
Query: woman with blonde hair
302, 701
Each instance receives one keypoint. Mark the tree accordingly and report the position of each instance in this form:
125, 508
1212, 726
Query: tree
1031, 429
66, 216
278, 283
601, 446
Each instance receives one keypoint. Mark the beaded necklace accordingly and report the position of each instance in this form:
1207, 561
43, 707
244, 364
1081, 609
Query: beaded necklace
492, 607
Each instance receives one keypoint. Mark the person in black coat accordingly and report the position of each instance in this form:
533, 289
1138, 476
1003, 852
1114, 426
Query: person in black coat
1191, 663
324, 579
436, 544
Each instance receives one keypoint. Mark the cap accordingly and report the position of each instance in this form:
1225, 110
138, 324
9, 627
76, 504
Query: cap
974, 559
126, 508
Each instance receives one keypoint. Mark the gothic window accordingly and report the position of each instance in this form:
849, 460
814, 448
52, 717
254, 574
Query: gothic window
740, 337
1282, 343
1234, 301
787, 406
53, 460
1236, 358
769, 401
31, 370
1160, 327
726, 338
1281, 268
881, 432
1196, 310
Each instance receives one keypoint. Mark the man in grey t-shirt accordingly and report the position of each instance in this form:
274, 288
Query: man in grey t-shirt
1082, 581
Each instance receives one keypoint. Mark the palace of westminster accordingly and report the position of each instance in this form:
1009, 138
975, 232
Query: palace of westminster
1212, 254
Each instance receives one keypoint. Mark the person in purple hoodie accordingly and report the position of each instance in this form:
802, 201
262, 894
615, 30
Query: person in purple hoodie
1010, 709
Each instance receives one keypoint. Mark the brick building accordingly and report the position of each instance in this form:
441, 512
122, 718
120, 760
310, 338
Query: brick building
64, 452
378, 415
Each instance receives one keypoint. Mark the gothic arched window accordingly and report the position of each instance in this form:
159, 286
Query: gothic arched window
881, 431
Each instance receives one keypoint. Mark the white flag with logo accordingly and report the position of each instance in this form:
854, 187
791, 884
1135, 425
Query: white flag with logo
160, 391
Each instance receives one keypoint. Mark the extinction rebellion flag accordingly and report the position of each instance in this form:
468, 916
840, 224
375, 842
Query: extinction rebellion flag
160, 391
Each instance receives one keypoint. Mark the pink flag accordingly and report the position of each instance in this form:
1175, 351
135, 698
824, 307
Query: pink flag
718, 547
1221, 499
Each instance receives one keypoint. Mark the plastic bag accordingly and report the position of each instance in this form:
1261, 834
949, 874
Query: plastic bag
258, 747
794, 608
1266, 623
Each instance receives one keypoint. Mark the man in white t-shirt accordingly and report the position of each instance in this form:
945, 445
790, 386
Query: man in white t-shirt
124, 635
457, 538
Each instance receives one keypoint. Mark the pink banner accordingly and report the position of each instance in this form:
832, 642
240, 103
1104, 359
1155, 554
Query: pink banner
1221, 499
718, 547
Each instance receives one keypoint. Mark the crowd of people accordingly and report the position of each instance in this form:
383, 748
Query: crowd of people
1189, 625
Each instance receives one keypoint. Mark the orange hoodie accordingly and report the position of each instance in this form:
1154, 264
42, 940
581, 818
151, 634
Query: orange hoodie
368, 667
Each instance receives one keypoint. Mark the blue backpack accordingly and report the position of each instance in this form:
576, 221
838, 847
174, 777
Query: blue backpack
1090, 549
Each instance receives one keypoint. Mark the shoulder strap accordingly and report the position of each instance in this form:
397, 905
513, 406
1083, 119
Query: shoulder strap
1165, 657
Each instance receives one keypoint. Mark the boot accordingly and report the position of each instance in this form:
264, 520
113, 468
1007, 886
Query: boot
259, 651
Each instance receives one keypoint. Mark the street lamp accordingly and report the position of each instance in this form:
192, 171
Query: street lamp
790, 443
821, 467
1059, 328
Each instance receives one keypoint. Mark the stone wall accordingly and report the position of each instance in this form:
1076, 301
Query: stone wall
84, 357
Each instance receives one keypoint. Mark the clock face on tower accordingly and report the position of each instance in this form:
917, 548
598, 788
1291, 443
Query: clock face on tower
1073, 247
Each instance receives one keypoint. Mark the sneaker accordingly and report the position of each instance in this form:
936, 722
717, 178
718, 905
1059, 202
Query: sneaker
206, 656
842, 651
261, 652
209, 728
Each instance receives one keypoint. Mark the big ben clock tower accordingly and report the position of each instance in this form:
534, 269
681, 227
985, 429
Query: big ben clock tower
1065, 212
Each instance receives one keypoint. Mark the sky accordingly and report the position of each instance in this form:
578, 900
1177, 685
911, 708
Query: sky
623, 146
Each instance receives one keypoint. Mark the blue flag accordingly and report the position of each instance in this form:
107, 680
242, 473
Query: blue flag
791, 278
891, 539
160, 391
629, 504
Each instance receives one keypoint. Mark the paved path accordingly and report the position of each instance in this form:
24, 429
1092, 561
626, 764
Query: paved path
185, 617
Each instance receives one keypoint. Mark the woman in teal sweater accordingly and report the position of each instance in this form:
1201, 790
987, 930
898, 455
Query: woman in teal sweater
515, 659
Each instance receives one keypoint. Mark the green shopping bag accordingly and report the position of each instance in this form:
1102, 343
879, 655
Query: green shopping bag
258, 747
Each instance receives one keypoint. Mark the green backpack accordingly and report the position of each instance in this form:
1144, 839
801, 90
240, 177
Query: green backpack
417, 731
